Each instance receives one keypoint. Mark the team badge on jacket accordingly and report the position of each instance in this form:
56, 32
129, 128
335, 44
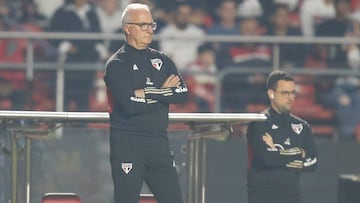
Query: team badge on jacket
297, 128
126, 167
156, 63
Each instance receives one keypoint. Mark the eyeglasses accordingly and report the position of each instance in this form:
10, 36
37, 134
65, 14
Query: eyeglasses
145, 26
288, 93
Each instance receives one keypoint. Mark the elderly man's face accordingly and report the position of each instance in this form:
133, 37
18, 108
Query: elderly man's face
136, 34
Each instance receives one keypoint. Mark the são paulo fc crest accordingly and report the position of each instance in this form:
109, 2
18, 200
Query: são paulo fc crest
126, 167
156, 63
297, 128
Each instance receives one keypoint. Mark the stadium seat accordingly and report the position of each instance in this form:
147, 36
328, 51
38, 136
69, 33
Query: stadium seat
147, 198
60, 198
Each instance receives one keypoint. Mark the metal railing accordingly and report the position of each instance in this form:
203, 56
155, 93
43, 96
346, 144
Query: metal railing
213, 38
274, 40
60, 65
196, 188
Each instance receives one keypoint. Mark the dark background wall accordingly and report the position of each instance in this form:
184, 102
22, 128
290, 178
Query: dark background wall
227, 162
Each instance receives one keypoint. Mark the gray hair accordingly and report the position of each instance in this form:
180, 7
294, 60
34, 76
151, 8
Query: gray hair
130, 7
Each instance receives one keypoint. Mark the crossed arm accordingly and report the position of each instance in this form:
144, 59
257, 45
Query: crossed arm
300, 157
172, 81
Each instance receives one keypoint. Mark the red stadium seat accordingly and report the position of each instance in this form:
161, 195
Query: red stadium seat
147, 198
60, 198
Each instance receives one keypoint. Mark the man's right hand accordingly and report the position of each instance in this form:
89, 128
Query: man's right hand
139, 93
268, 140
171, 81
303, 153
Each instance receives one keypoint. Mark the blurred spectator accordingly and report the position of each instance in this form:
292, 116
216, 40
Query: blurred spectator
345, 95
294, 7
12, 51
250, 9
42, 92
30, 15
292, 4
30, 20
98, 98
245, 56
4, 8
291, 55
202, 73
260, 9
345, 98
312, 12
316, 57
348, 25
353, 51
124, 3
10, 98
78, 16
225, 23
7, 11
336, 27
355, 9
48, 8
109, 14
182, 51
200, 18
268, 8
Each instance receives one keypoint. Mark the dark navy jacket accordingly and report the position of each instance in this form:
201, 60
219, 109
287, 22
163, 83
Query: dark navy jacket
278, 170
130, 69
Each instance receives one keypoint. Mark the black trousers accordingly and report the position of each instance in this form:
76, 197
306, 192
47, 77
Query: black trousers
135, 159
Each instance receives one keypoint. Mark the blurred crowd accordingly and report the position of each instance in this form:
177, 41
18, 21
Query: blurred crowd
327, 98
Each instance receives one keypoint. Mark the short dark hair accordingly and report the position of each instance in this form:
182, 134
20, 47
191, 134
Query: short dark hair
275, 76
279, 7
178, 4
221, 3
205, 47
